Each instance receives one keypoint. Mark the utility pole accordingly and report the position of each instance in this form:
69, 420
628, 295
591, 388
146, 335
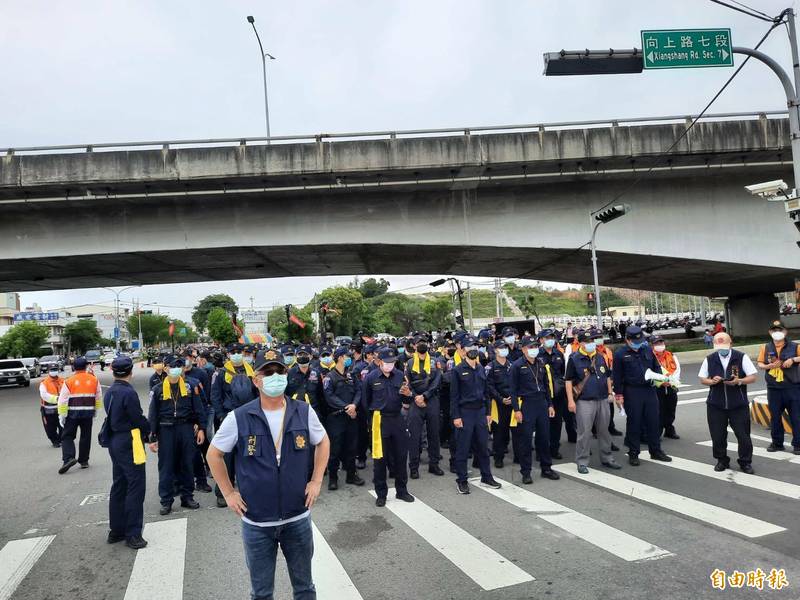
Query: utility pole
264, 57
469, 307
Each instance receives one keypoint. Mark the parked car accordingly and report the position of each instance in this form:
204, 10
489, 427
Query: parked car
51, 361
14, 372
108, 358
33, 366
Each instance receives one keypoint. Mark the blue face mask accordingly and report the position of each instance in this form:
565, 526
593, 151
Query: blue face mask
288, 359
549, 343
326, 360
533, 352
590, 347
274, 385
637, 345
503, 352
509, 339
724, 351
401, 350
175, 372
347, 361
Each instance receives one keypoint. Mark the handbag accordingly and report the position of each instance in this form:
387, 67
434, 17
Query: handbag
104, 435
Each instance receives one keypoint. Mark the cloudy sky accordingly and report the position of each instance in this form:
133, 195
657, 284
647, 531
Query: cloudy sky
114, 70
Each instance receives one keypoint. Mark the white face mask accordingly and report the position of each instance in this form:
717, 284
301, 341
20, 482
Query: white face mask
387, 367
778, 336
509, 339
660, 348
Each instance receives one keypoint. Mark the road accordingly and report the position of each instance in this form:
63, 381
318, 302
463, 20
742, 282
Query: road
653, 528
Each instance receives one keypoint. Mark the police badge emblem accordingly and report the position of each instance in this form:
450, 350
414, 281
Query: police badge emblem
299, 441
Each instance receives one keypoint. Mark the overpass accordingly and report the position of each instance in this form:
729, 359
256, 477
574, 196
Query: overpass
502, 202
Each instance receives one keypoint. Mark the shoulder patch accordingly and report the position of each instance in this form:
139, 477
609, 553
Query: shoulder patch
326, 382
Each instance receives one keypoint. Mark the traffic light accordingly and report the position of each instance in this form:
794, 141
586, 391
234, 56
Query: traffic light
593, 62
611, 213
590, 300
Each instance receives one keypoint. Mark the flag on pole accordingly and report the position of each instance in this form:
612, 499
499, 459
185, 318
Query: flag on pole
171, 329
297, 321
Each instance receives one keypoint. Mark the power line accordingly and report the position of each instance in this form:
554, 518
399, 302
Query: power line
750, 12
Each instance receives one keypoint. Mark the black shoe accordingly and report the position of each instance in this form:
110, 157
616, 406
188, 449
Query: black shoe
615, 432
84, 465
463, 487
361, 464
773, 447
614, 447
633, 460
67, 466
58, 445
747, 469
221, 503
333, 485
556, 455
615, 466
380, 501
660, 455
435, 470
498, 463
720, 466
583, 469
137, 542
113, 538
672, 435
404, 496
203, 487
550, 474
165, 509
191, 503
414, 474
796, 450
354, 479
527, 479
490, 482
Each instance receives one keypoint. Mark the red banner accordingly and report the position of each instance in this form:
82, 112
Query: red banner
297, 321
171, 329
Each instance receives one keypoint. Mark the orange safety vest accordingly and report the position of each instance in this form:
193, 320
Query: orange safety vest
607, 354
667, 361
82, 394
53, 387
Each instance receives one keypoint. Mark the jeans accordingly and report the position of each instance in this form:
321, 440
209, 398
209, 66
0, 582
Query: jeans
261, 550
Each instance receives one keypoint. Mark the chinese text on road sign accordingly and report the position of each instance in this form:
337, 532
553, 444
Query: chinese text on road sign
673, 48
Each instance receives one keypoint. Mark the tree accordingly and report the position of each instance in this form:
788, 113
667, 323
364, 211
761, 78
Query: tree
437, 313
204, 307
219, 326
350, 310
23, 340
82, 335
155, 328
370, 288
276, 321
399, 315
184, 334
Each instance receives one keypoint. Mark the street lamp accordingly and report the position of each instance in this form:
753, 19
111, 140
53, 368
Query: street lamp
439, 282
605, 215
264, 57
116, 311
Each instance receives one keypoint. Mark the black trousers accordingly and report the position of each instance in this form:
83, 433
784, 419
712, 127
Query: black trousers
71, 427
445, 422
667, 402
739, 421
501, 431
419, 421
126, 502
363, 435
562, 416
343, 433
52, 428
394, 439
176, 452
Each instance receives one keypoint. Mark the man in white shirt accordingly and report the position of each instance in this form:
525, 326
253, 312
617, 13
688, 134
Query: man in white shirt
276, 439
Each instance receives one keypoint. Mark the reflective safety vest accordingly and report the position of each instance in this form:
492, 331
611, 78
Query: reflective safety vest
48, 393
83, 400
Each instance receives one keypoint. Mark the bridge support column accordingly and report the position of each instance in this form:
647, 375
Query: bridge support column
750, 315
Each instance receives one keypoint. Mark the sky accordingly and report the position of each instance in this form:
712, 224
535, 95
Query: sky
124, 70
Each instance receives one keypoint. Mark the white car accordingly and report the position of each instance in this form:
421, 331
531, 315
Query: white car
106, 360
14, 372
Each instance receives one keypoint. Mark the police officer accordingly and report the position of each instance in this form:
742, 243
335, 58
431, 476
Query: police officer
304, 381
588, 388
385, 394
779, 360
176, 414
159, 374
510, 338
551, 356
199, 378
531, 400
498, 387
424, 378
362, 359
634, 369
342, 394
127, 430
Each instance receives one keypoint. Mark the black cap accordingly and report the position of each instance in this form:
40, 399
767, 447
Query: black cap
325, 350
655, 339
341, 351
546, 332
776, 325
305, 349
588, 336
268, 357
176, 362
634, 333
500, 344
528, 340
122, 366
235, 348
387, 355
509, 331
468, 340
79, 364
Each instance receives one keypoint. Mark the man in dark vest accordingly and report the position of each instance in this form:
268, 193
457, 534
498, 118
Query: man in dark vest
727, 373
274, 438
780, 361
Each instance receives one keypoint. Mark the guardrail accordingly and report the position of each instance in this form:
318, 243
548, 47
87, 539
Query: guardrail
538, 127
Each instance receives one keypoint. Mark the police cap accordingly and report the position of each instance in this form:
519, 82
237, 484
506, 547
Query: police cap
634, 333
341, 351
268, 357
79, 364
528, 340
776, 325
122, 366
387, 355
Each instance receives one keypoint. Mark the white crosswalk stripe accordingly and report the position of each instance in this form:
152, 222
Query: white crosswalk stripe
480, 563
330, 578
707, 513
762, 452
762, 438
17, 559
158, 569
610, 539
773, 486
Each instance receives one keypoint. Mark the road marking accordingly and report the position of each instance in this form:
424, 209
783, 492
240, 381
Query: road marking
762, 438
610, 539
158, 569
95, 498
773, 486
703, 399
17, 559
330, 578
480, 563
697, 391
762, 452
707, 513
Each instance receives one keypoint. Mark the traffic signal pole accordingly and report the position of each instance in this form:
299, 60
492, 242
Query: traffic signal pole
596, 280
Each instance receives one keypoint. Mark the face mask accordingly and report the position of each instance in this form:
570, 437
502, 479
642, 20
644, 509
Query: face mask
502, 352
637, 345
422, 348
590, 347
237, 359
288, 360
549, 343
660, 348
451, 352
387, 367
401, 350
274, 385
778, 336
53, 374
509, 339
472, 354
304, 359
248, 359
175, 372
326, 360
532, 352
722, 350
347, 361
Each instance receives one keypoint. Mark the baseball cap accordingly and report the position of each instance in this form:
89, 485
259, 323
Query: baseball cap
268, 357
634, 333
122, 366
387, 355
776, 325
79, 364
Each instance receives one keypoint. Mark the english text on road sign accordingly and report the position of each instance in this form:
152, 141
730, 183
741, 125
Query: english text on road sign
687, 48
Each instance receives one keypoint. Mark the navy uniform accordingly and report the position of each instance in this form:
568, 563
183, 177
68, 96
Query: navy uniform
551, 356
204, 382
326, 363
633, 366
783, 386
470, 411
382, 396
424, 378
446, 364
176, 413
514, 350
159, 373
362, 359
127, 429
498, 387
341, 390
304, 380
531, 395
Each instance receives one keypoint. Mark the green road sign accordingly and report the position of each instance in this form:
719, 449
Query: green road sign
677, 48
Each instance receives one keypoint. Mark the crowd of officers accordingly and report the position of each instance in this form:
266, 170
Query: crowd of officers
482, 397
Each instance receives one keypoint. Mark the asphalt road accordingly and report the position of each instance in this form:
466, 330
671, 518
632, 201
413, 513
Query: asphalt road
655, 531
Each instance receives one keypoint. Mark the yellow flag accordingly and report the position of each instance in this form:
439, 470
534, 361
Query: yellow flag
514, 415
139, 456
495, 412
377, 440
